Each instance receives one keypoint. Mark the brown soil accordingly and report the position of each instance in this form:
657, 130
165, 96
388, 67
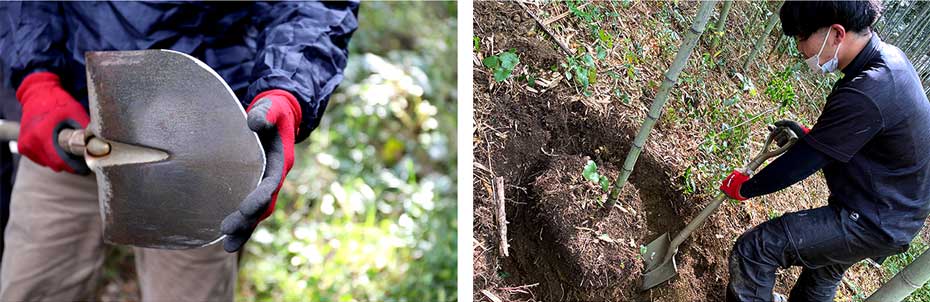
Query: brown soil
552, 212
591, 250
537, 143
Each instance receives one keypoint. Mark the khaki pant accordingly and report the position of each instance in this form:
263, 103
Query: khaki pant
54, 248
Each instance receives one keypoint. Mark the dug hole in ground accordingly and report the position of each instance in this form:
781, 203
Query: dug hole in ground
536, 131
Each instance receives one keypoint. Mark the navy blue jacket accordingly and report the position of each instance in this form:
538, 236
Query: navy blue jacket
300, 47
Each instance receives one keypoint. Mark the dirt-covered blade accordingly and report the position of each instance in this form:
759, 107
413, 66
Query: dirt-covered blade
182, 154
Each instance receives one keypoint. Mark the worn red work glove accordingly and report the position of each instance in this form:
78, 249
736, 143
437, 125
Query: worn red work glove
733, 183
274, 115
47, 109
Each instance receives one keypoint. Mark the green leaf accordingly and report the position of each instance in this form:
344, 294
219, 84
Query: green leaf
592, 75
509, 60
502, 65
491, 62
601, 53
605, 183
581, 75
605, 38
501, 74
588, 60
590, 171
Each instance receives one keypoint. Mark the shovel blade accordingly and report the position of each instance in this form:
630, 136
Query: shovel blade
189, 156
661, 273
658, 269
655, 252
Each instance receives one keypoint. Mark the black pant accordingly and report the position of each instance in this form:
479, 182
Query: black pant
824, 241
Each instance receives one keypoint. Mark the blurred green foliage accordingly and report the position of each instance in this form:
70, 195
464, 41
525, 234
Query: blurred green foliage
368, 213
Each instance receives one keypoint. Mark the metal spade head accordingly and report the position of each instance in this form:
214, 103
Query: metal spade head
182, 156
658, 267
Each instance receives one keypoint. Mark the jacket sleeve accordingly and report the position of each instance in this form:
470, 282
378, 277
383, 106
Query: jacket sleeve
31, 39
302, 48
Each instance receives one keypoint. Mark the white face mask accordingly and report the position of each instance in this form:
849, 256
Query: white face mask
829, 66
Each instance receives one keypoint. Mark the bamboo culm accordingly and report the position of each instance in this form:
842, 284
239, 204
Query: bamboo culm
909, 279
760, 43
911, 27
724, 12
671, 77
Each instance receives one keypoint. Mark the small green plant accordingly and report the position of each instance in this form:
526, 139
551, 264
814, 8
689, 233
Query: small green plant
502, 65
583, 70
688, 181
529, 78
503, 274
773, 214
590, 173
780, 90
747, 84
477, 43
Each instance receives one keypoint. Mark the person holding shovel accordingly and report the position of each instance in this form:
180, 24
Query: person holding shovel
283, 60
871, 143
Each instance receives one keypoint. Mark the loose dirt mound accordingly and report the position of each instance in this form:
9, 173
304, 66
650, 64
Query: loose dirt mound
537, 142
555, 221
594, 251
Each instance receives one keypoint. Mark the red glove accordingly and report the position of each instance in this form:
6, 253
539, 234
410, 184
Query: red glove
47, 109
733, 183
275, 116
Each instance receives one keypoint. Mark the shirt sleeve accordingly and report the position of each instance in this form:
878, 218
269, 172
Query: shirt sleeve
31, 39
850, 119
302, 48
798, 163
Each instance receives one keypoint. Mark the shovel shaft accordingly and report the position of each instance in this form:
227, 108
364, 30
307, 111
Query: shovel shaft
697, 222
71, 140
763, 155
9, 130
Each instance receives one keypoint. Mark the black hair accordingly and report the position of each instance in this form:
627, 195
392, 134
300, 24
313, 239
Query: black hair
802, 18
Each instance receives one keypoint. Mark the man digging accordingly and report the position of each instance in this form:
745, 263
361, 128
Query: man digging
871, 141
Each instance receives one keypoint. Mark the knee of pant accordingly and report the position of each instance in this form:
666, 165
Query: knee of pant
747, 245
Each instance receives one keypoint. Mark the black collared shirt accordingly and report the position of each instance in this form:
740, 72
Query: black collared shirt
876, 126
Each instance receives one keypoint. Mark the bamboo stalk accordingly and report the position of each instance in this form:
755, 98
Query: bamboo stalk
722, 20
777, 43
911, 27
908, 40
888, 17
905, 282
919, 36
671, 77
922, 55
724, 12
893, 34
760, 43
